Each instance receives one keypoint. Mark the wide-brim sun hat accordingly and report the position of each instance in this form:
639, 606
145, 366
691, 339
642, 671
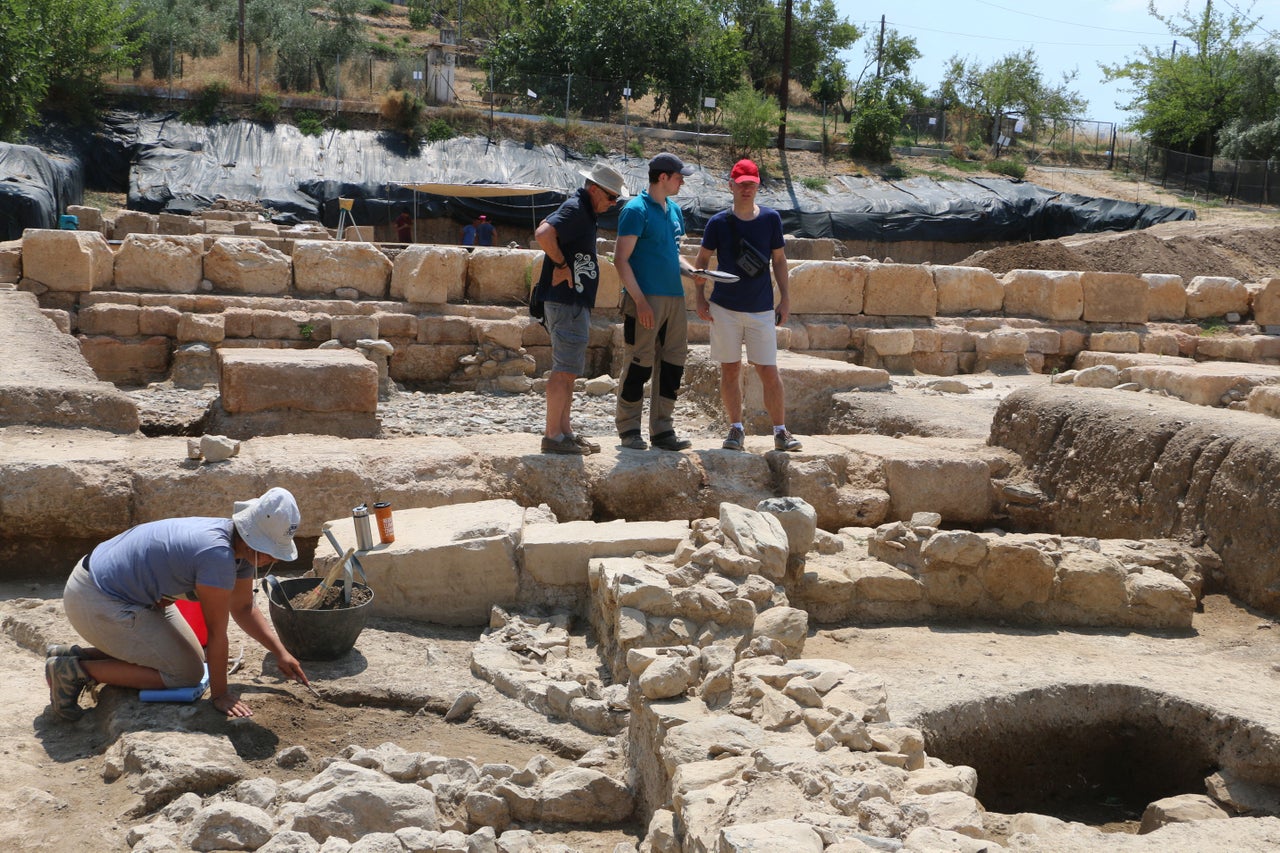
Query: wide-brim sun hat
268, 523
607, 177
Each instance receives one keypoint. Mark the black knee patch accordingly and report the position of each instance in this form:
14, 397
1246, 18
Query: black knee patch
669, 376
629, 330
633, 382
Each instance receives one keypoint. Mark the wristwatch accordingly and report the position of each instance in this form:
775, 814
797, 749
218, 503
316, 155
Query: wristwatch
561, 265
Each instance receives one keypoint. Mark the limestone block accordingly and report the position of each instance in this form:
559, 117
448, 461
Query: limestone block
1017, 573
446, 330
392, 326
238, 322
429, 274
247, 265
201, 328
887, 342
449, 564
1045, 294
1160, 343
126, 362
290, 326
10, 262
936, 363
1043, 341
1216, 296
827, 336
809, 381
1113, 297
924, 478
67, 261
608, 291
1183, 808
1265, 400
558, 554
133, 222
756, 535
1091, 581
87, 218
1001, 344
120, 321
501, 276
1166, 296
164, 263
60, 318
900, 290
175, 223
827, 287
1165, 599
874, 580
1115, 342
1098, 376
427, 363
194, 366
351, 328
158, 320
323, 267
798, 520
1266, 301
788, 835
1227, 348
321, 380
965, 289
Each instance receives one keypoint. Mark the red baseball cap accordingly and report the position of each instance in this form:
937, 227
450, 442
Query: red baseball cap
745, 171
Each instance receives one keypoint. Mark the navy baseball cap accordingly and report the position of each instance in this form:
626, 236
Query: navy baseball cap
666, 162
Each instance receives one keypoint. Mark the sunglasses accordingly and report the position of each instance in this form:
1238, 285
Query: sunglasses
611, 196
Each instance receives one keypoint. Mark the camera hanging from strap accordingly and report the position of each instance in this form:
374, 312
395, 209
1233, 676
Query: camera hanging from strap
750, 261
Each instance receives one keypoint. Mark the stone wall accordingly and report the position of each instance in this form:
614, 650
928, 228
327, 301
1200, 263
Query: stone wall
128, 305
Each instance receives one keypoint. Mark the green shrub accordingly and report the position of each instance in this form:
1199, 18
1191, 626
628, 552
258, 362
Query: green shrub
1013, 168
267, 107
309, 124
635, 149
751, 118
205, 107
594, 148
893, 172
377, 8
814, 183
872, 129
439, 130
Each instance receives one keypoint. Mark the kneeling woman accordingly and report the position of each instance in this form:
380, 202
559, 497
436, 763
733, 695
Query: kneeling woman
119, 598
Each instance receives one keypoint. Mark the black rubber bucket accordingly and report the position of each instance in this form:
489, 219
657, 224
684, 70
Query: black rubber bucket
316, 634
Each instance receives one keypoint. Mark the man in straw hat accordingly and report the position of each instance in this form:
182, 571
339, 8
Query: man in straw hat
570, 277
119, 597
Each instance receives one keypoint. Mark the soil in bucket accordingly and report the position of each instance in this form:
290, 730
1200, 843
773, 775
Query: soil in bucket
323, 633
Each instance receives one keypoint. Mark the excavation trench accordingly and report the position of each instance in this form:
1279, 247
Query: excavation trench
1095, 754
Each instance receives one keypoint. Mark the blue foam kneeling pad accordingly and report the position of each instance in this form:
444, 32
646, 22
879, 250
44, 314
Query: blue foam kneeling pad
177, 694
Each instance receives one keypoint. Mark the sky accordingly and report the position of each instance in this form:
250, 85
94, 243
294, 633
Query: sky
1076, 34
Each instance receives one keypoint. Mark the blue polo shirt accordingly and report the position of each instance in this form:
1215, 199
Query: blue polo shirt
750, 295
656, 257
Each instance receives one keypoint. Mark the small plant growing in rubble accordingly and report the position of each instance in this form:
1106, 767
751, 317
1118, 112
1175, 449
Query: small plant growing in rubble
1211, 326
306, 330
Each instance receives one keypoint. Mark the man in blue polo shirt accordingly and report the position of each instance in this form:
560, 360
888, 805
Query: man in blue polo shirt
570, 278
655, 324
747, 241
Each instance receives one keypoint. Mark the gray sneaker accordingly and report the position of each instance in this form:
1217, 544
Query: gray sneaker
565, 446
734, 440
66, 678
54, 650
785, 441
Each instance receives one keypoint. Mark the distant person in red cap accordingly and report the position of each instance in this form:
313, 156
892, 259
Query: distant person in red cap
485, 232
747, 241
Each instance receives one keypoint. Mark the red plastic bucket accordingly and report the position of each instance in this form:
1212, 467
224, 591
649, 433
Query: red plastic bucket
191, 611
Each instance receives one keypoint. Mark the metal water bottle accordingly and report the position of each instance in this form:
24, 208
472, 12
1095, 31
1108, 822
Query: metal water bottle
364, 528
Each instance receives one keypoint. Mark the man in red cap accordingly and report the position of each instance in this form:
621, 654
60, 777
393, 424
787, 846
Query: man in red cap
747, 241
484, 231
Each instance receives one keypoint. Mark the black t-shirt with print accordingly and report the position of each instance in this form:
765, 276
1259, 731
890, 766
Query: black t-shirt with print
575, 224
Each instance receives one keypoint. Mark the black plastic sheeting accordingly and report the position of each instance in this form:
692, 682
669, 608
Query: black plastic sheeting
35, 188
182, 168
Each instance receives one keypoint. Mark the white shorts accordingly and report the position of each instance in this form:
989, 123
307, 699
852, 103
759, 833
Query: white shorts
730, 329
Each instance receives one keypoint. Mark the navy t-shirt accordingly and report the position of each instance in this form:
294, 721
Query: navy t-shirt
749, 295
575, 224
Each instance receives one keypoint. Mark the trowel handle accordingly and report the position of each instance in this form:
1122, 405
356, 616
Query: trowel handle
271, 586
